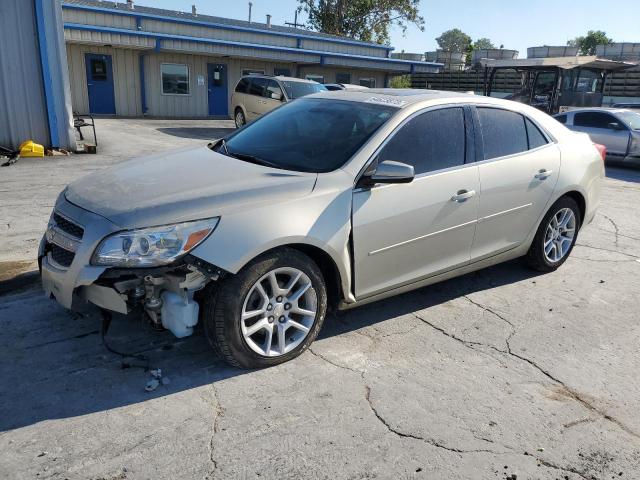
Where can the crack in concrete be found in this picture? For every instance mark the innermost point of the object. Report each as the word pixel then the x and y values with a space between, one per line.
pixel 218 411
pixel 615 226
pixel 571 393
pixel 606 250
pixel 344 367
pixel 553 466
pixel 429 441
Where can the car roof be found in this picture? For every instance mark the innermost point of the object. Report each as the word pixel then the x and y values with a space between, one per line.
pixel 594 109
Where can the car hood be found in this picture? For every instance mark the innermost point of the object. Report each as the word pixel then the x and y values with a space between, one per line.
pixel 181 186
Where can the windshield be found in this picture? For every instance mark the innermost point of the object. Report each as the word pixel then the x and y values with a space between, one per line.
pixel 308 135
pixel 301 89
pixel 631 118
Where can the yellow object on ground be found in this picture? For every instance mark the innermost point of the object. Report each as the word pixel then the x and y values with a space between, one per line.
pixel 31 149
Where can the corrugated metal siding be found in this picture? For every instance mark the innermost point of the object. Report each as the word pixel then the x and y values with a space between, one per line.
pixel 343 48
pixel 191 47
pixel 369 64
pixel 207 32
pixel 330 73
pixel 103 38
pixel 126 78
pixel 97 18
pixel 23 111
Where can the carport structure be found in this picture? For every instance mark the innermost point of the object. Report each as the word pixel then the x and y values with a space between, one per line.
pixel 131 60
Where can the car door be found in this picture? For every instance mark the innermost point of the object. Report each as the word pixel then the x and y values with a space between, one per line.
pixel 603 128
pixel 518 170
pixel 255 97
pixel 405 232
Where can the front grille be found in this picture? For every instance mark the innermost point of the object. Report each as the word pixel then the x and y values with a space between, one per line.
pixel 68 227
pixel 61 256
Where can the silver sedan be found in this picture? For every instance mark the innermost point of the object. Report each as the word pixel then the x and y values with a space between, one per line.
pixel 332 201
pixel 615 128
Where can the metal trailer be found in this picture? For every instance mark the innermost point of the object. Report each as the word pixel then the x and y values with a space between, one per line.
pixel 556 84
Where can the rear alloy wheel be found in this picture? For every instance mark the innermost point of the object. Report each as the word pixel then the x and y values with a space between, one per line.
pixel 240 120
pixel 268 313
pixel 555 237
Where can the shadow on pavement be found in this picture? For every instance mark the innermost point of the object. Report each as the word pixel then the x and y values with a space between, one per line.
pixel 53 366
pixel 198 133
pixel 623 173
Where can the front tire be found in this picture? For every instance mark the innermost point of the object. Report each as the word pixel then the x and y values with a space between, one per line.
pixel 269 313
pixel 556 236
pixel 239 117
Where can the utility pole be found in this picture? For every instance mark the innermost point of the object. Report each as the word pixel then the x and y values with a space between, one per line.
pixel 295 21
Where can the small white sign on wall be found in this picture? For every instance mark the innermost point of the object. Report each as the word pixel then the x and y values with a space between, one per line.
pixel 201 80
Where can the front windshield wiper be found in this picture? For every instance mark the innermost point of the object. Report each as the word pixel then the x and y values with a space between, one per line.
pixel 252 159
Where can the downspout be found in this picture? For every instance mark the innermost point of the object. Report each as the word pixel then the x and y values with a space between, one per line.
pixel 46 74
pixel 143 91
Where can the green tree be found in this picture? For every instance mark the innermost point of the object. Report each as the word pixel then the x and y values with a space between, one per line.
pixel 367 20
pixel 587 44
pixel 479 44
pixel 401 81
pixel 454 40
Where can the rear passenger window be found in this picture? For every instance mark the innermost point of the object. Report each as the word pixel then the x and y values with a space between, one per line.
pixel 536 138
pixel 561 118
pixel 243 86
pixel 256 86
pixel 503 132
pixel 431 141
pixel 593 119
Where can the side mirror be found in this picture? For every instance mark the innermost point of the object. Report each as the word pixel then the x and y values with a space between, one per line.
pixel 276 96
pixel 389 171
pixel 616 126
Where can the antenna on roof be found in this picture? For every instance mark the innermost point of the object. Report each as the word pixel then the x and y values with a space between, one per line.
pixel 250 6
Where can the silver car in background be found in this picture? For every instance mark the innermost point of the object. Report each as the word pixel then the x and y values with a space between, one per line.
pixel 332 201
pixel 615 128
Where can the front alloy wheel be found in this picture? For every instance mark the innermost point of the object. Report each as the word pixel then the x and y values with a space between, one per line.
pixel 278 312
pixel 269 312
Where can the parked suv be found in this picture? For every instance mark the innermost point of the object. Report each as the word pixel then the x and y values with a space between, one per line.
pixel 256 95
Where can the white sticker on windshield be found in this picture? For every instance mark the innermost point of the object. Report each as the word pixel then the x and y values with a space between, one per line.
pixel 387 101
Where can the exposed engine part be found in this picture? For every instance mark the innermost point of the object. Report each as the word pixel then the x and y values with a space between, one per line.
pixel 179 315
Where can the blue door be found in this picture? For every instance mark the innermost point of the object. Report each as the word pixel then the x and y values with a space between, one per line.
pixel 218 90
pixel 100 84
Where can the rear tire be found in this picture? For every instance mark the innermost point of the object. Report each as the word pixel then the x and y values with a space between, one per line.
pixel 556 236
pixel 241 121
pixel 248 302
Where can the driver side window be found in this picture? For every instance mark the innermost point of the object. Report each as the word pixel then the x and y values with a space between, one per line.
pixel 431 141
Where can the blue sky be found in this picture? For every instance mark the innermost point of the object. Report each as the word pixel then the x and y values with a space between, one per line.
pixel 517 24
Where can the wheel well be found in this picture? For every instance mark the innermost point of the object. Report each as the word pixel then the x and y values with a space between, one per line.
pixel 328 268
pixel 582 204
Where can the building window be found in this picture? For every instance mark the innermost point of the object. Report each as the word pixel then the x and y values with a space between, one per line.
pixel 343 78
pixel 175 79
pixel 315 78
pixel 368 82
pixel 251 71
pixel 284 72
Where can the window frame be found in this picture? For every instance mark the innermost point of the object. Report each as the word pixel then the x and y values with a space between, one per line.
pixel 249 72
pixel 313 77
pixel 371 80
pixel 479 139
pixel 162 92
pixel 470 144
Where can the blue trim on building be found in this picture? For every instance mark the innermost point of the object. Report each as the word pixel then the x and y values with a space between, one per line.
pixel 47 79
pixel 143 90
pixel 160 36
pixel 222 26
pixel 158 46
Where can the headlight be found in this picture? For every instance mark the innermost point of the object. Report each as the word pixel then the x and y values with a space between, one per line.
pixel 152 247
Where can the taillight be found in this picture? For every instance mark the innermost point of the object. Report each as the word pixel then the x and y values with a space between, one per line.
pixel 602 149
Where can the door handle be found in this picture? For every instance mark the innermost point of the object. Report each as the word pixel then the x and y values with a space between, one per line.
pixel 463 195
pixel 543 174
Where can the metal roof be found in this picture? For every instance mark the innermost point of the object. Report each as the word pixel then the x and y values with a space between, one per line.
pixel 566 63
pixel 122 9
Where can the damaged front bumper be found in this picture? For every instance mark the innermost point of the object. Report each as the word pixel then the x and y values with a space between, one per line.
pixel 164 294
